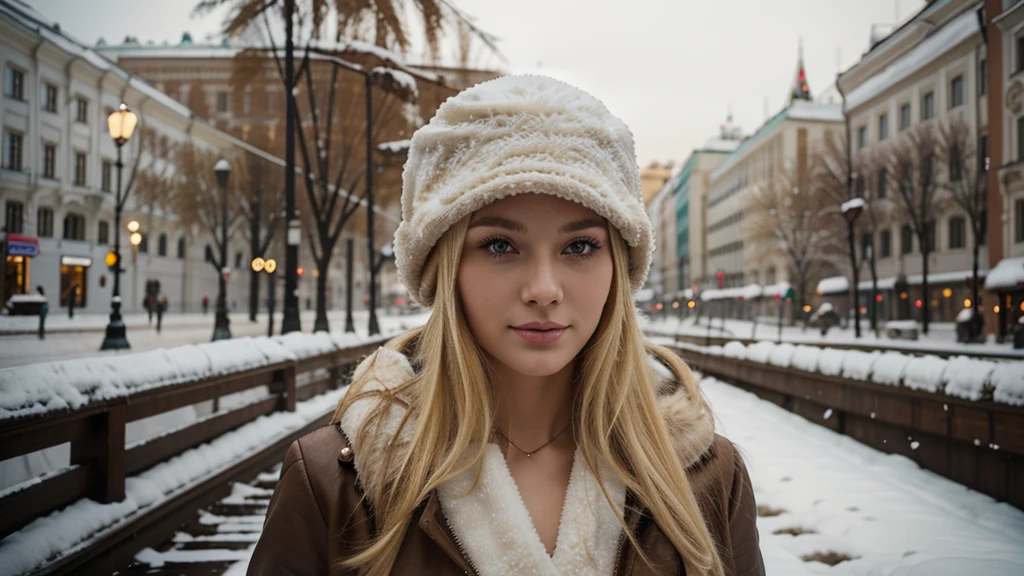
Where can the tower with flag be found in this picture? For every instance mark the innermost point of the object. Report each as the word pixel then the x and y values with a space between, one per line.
pixel 801 91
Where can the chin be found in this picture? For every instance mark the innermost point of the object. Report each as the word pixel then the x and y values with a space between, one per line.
pixel 537 361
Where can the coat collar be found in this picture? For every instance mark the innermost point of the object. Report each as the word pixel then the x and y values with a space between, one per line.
pixel 689 423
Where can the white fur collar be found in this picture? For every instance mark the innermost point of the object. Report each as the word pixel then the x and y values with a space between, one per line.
pixel 492 523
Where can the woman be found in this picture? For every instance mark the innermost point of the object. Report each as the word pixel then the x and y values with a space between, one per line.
pixel 527 428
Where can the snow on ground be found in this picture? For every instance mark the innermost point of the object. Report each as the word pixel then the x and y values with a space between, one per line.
pixel 892 517
pixel 942 336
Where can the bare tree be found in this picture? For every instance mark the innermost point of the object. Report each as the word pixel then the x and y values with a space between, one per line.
pixel 966 184
pixel 198 199
pixel 912 168
pixel 260 185
pixel 781 217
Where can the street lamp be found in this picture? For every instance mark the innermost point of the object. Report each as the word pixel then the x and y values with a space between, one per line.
pixel 386 253
pixel 852 210
pixel 135 238
pixel 220 329
pixel 121 125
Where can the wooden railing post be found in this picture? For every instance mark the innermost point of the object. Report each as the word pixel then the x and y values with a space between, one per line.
pixel 284 387
pixel 102 450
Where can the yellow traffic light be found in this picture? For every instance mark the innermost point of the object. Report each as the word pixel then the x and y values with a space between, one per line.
pixel 111 259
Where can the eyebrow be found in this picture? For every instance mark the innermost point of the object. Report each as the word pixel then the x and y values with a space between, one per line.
pixel 519 228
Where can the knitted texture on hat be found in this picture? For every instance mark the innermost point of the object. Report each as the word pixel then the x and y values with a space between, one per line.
pixel 516 135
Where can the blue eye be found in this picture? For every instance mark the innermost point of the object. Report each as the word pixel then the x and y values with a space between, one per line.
pixel 582 247
pixel 496 247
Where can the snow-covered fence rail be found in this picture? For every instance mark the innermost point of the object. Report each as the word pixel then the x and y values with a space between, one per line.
pixel 90 403
pixel 939 413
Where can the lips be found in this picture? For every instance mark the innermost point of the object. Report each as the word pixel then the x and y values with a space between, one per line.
pixel 540 332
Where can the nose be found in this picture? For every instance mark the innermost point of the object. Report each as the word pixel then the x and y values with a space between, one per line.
pixel 542 285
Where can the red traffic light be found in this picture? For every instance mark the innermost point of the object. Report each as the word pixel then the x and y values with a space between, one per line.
pixel 300 271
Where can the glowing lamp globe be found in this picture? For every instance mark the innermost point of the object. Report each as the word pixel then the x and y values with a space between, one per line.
pixel 121 124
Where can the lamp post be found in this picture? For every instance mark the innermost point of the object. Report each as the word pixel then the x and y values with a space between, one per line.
pixel 220 329
pixel 386 253
pixel 121 125
pixel 851 211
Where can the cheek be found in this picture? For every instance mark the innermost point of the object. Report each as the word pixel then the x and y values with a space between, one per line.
pixel 479 291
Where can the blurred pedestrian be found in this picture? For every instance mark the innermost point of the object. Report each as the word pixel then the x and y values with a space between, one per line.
pixel 149 303
pixel 44 309
pixel 161 307
pixel 72 297
pixel 206 304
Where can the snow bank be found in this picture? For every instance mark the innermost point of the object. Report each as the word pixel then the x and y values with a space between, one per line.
pixel 857 365
pixel 1008 383
pixel 69 384
pixel 925 373
pixel 889 367
pixel 760 351
pixel 830 363
pixel 968 378
pixel 735 350
pixel 782 355
pixel 805 358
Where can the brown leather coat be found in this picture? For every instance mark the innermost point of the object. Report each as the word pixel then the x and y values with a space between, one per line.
pixel 317 517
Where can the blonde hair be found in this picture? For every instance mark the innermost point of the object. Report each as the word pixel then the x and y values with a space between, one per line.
pixel 615 417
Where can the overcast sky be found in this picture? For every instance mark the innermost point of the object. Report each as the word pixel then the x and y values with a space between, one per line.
pixel 670 68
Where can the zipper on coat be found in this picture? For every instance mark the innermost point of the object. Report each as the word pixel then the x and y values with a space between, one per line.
pixel 618 552
pixel 458 544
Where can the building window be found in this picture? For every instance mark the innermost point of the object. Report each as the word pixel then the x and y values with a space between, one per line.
pixel 956 92
pixel 1018 220
pixel 81 110
pixel 1020 53
pixel 49 97
pixel 74 226
pixel 928 106
pixel 238 260
pixel 906 239
pixel 222 101
pixel 1020 138
pixel 183 94
pixel 957 232
pixel 883 182
pixel 12 151
pixel 983 77
pixel 929 235
pixel 161 245
pixel 105 176
pixel 862 137
pixel 865 244
pixel 44 223
pixel 181 248
pixel 956 169
pixel 73 284
pixel 144 243
pixel 904 116
pixel 246 101
pixel 103 232
pixel 14 83
pixel 208 254
pixel 885 244
pixel 79 168
pixel 14 217
pixel 49 161
pixel 883 127
pixel 271 101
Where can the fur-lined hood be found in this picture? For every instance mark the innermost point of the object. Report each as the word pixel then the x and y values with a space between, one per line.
pixel 689 421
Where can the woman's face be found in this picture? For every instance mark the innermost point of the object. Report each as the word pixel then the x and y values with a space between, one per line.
pixel 535 273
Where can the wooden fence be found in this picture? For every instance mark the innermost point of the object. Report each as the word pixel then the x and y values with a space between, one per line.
pixel 100 461
pixel 978 444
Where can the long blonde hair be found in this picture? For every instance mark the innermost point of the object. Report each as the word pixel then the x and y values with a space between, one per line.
pixel 615 418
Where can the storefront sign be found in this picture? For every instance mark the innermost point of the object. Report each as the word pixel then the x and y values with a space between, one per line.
pixel 22 245
pixel 75 261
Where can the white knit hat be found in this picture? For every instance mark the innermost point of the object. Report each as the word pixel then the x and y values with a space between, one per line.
pixel 516 135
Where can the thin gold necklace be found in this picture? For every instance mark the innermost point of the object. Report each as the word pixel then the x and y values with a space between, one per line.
pixel 531 452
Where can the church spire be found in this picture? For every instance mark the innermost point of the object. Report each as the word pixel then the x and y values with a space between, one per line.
pixel 801 91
